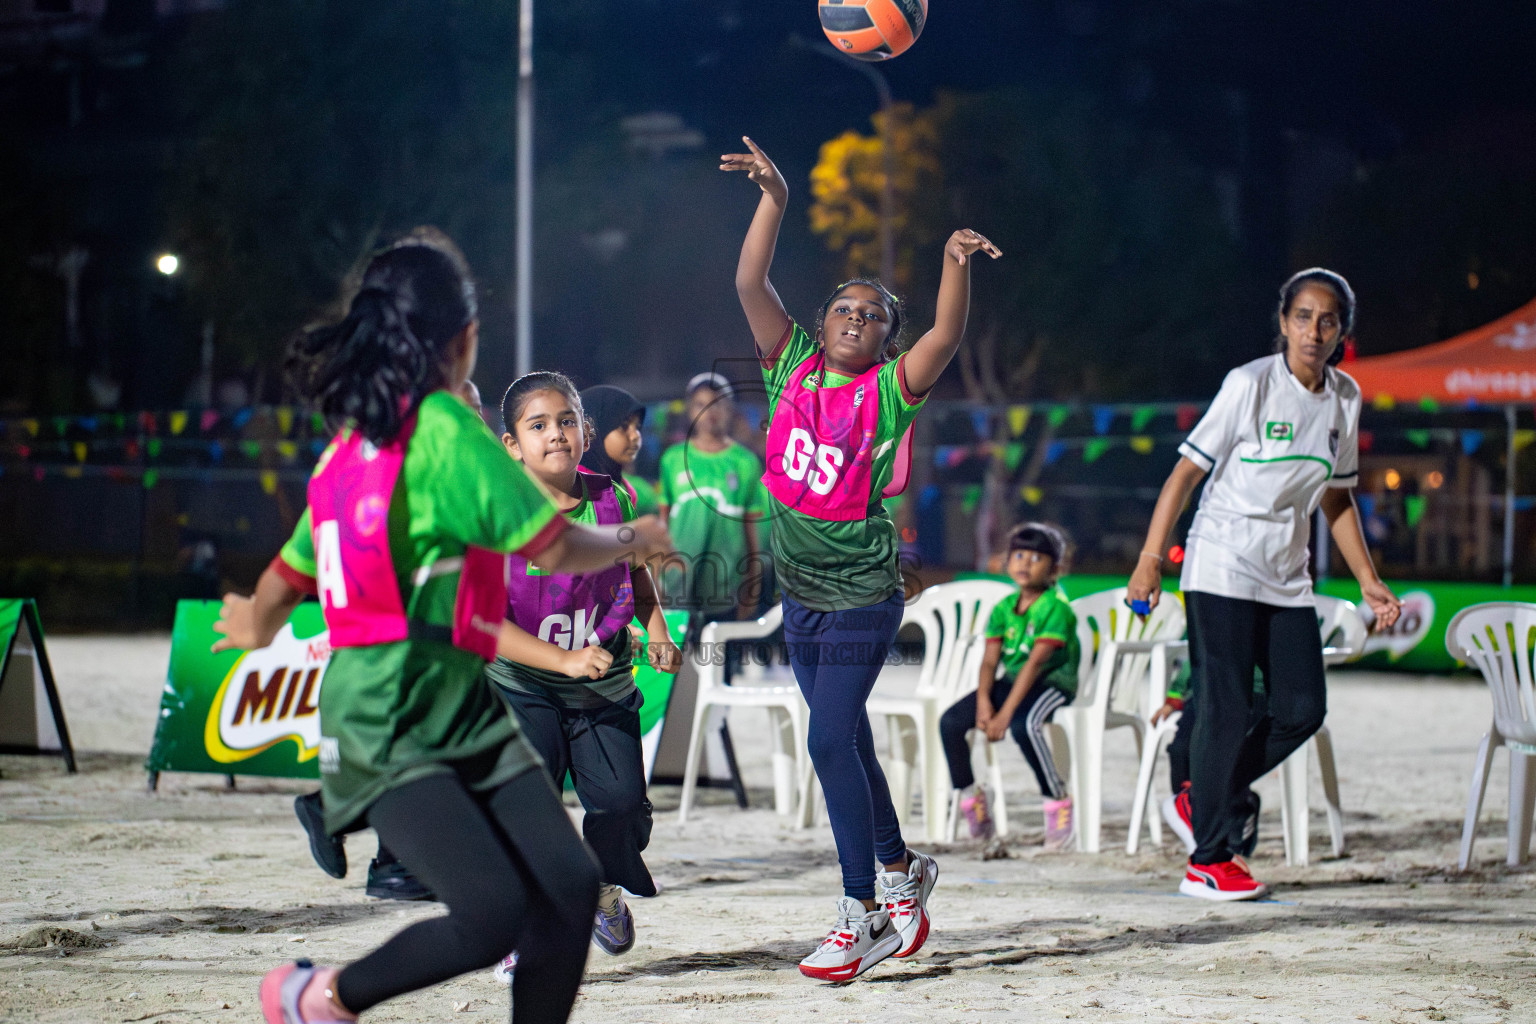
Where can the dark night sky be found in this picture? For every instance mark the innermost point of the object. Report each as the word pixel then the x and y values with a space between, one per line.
pixel 1295 96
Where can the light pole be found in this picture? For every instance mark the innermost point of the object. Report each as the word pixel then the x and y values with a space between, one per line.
pixel 888 171
pixel 524 232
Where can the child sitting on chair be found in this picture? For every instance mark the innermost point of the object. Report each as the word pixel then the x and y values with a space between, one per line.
pixel 1029 670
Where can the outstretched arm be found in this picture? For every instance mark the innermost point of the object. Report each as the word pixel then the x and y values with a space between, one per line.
pixel 765 313
pixel 579 548
pixel 926 360
pixel 249 623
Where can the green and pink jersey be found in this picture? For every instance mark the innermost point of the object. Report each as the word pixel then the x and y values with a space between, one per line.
pixel 835 448
pixel 386 542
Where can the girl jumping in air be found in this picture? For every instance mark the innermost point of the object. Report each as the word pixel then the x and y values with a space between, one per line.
pixel 840 399
pixel 411 510
pixel 565 663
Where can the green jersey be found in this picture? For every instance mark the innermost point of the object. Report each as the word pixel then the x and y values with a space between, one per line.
pixel 709 496
pixel 617 683
pixel 646 498
pixel 392 713
pixel 1048 617
pixel 831 565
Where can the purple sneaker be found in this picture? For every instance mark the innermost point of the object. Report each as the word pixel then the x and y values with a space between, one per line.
pixel 613 930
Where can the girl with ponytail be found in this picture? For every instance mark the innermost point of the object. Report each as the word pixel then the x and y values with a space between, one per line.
pixel 413 509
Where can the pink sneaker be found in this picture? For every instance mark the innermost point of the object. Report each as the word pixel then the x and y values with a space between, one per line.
pixel 280 992
pixel 973 807
pixel 1058 823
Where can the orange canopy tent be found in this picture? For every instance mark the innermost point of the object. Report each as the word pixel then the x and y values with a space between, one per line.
pixel 1492 365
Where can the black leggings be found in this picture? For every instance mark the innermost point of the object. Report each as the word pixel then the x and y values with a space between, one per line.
pixel 600 747
pixel 513 874
pixel 1027 726
pixel 1229 750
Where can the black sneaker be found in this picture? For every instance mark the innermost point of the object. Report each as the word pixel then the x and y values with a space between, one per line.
pixel 392 881
pixel 329 852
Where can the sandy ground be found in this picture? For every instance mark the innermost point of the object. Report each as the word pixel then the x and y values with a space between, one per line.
pixel 192 893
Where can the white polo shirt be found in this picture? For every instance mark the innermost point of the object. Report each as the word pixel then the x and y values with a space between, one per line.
pixel 1271 447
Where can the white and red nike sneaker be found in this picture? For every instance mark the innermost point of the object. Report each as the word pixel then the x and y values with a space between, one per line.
pixel 859 940
pixel 905 898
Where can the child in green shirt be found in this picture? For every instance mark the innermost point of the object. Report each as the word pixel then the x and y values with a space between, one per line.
pixel 1030 670
pixel 712 498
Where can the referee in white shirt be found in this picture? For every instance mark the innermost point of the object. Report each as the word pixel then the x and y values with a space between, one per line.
pixel 1280 439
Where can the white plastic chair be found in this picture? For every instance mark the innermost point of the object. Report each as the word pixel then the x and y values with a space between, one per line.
pixel 1499 640
pixel 786 709
pixel 1343 635
pixel 970 668
pixel 1117 651
pixel 948 614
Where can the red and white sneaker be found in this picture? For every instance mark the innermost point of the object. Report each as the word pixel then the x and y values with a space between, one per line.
pixel 1176 814
pixel 905 898
pixel 859 940
pixel 1226 881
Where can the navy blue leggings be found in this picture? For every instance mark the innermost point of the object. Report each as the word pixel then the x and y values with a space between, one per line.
pixel 837 656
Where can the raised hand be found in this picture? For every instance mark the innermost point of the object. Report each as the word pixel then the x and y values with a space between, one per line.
pixel 759 168
pixel 964 242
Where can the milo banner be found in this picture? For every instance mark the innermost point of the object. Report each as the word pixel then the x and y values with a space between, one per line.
pixel 258 712
pixel 1416 643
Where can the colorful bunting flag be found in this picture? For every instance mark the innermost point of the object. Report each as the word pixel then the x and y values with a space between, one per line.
pixel 209 420
pixel 252 449
pixel 1141 445
pixel 1523 439
pixel 1018 419
pixel 1383 402
pixel 981 422
pixel 1054 451
pixel 1471 441
pixel 178 422
pixel 1013 454
pixel 1141 417
pixel 288 450
pixel 1058 415
pixel 31 426
pixel 1417 438
pixel 1413 510
pixel 285 419
pixel 242 417
pixel 269 481
pixel 971 498
pixel 1428 404
pixel 80 451
pixel 153 444
pixel 1103 418
pixel 1186 416
pixel 1031 494
pixel 151 477
pixel 1094 449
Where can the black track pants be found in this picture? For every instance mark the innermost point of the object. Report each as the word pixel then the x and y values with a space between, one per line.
pixel 1229 749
